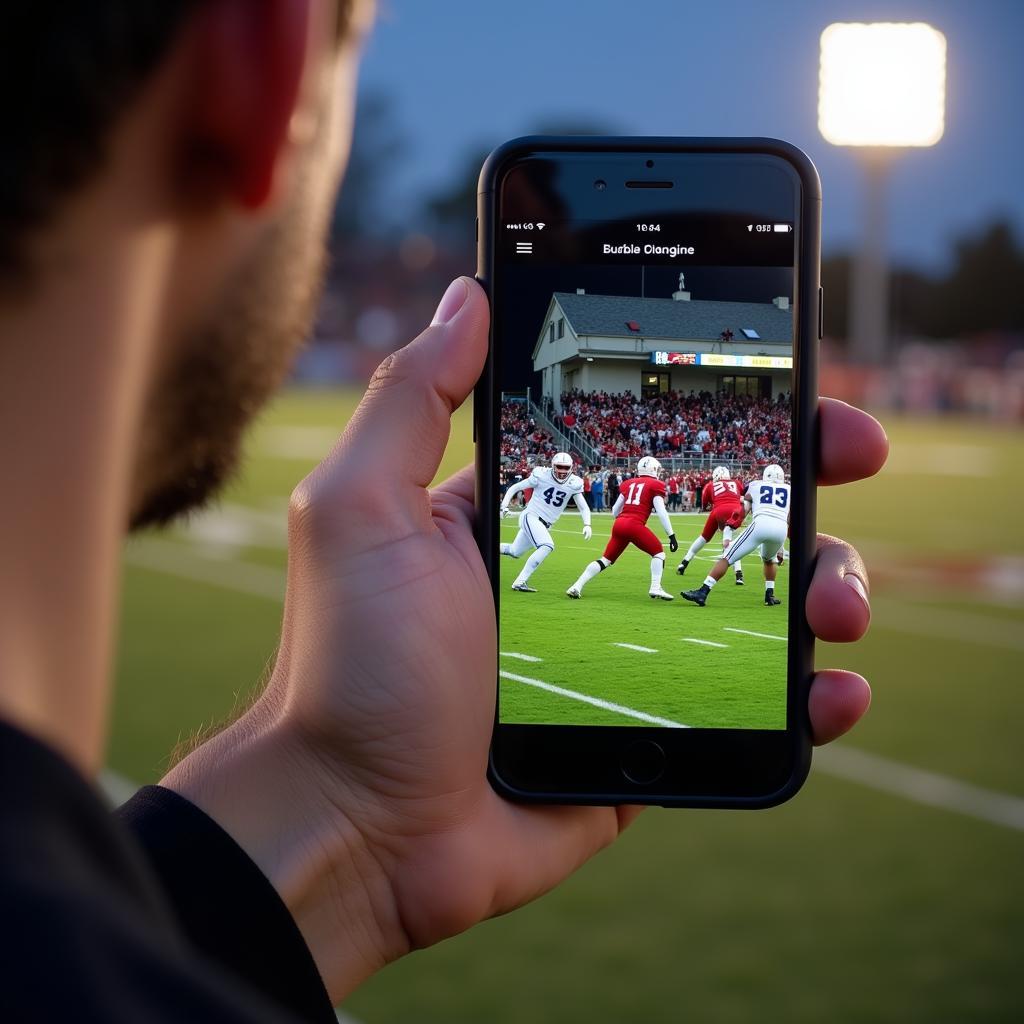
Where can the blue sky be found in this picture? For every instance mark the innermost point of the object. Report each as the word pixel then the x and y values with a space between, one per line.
pixel 465 75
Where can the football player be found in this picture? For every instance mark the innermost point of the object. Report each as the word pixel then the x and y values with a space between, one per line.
pixel 769 500
pixel 638 497
pixel 723 494
pixel 552 490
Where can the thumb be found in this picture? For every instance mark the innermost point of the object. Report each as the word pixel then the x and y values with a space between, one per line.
pixel 394 442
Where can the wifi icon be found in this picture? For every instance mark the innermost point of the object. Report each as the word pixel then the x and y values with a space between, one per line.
pixel 540 226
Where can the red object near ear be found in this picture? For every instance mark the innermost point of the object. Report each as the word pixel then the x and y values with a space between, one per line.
pixel 248 75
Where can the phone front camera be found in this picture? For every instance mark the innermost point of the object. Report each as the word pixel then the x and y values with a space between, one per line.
pixel 600 184
pixel 650 163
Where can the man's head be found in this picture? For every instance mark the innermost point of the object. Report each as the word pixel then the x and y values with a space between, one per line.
pixel 561 466
pixel 252 102
pixel 648 466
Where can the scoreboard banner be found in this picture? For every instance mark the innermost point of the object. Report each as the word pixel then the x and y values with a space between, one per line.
pixel 719 359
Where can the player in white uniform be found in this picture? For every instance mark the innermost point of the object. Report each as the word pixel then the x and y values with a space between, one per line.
pixel 552 490
pixel 768 499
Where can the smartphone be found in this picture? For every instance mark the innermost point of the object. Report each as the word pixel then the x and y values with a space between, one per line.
pixel 645 430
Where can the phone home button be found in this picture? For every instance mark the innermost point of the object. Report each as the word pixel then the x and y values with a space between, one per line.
pixel 643 762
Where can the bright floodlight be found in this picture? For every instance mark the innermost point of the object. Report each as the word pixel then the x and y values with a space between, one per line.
pixel 882 84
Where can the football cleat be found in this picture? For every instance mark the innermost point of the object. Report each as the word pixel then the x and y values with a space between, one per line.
pixel 739 577
pixel 523 588
pixel 573 593
pixel 770 598
pixel 658 593
pixel 698 596
pixel 681 568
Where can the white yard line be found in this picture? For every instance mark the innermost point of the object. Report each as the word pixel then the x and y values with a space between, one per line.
pixel 595 701
pixel 179 560
pixel 706 643
pixel 748 632
pixel 636 647
pixel 869 770
pixel 920 786
pixel 521 657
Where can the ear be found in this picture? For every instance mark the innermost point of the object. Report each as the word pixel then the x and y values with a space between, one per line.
pixel 251 58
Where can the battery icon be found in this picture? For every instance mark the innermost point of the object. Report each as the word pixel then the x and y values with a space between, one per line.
pixel 782 227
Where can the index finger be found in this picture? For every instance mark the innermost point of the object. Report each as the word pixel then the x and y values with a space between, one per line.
pixel 851 444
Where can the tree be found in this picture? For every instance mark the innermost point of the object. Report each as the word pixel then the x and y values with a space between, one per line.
pixel 984 290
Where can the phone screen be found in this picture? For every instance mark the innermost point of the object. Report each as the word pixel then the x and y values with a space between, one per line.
pixel 645 360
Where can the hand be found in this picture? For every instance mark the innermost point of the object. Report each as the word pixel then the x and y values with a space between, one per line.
pixel 505 512
pixel 673 544
pixel 357 780
pixel 587 533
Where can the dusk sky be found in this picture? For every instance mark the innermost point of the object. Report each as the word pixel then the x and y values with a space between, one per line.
pixel 468 75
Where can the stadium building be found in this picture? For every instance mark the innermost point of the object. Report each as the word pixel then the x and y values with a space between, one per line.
pixel 647 346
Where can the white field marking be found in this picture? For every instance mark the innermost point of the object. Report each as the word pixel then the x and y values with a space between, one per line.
pixel 596 701
pixel 935 623
pixel 295 442
pixel 230 526
pixel 706 643
pixel 920 786
pixel 521 657
pixel 636 647
pixel 748 632
pixel 868 770
pixel 178 560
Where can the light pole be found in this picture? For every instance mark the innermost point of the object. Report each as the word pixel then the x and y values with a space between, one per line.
pixel 882 87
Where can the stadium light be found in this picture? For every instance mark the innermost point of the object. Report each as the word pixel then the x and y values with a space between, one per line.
pixel 882 87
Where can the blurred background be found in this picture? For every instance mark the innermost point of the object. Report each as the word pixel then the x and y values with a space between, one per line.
pixel 892 888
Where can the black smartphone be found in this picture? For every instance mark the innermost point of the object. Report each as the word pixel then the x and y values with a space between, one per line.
pixel 645 431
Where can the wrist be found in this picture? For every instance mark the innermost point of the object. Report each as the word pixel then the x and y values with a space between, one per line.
pixel 256 785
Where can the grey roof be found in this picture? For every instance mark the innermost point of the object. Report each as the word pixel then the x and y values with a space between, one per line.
pixel 698 319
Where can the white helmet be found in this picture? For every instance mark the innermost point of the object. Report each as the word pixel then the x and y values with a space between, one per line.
pixel 721 473
pixel 561 467
pixel 773 474
pixel 648 466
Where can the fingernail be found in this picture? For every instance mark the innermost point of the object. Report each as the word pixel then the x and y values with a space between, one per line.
pixel 452 301
pixel 855 583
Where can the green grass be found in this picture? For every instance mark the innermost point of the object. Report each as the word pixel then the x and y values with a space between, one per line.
pixel 741 684
pixel 847 904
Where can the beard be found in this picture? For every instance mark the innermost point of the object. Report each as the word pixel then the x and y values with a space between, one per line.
pixel 230 365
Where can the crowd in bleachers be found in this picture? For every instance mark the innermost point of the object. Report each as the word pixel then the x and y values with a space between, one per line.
pixel 733 428
pixel 523 442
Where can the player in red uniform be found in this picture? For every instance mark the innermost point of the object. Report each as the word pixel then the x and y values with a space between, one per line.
pixel 638 497
pixel 725 496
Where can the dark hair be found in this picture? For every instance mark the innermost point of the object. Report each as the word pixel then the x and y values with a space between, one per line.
pixel 68 69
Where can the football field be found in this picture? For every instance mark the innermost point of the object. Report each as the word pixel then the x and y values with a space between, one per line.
pixel 617 657
pixel 889 890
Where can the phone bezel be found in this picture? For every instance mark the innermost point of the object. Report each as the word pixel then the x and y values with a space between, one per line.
pixel 706 767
